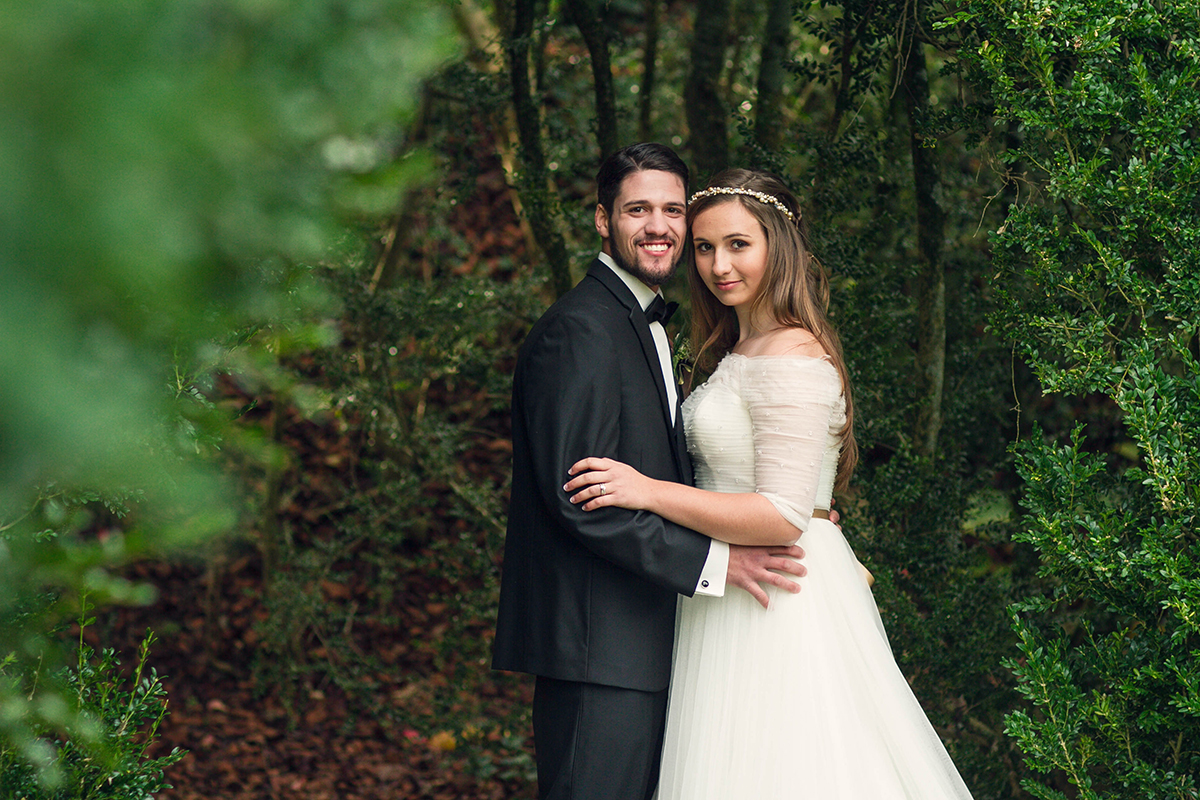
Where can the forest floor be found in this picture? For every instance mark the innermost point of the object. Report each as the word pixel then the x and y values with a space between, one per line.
pixel 244 743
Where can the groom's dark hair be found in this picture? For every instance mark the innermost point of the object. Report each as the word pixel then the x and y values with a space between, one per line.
pixel 636 158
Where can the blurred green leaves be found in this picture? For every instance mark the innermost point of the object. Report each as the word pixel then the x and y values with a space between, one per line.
pixel 168 171
pixel 156 155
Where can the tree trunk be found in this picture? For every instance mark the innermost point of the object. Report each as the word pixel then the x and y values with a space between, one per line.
pixel 846 69
pixel 586 16
pixel 768 119
pixel 931 283
pixel 649 64
pixel 706 112
pixel 540 203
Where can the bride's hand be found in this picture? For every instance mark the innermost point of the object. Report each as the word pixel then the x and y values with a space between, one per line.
pixel 600 482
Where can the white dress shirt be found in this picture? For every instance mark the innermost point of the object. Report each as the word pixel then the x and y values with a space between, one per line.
pixel 712 577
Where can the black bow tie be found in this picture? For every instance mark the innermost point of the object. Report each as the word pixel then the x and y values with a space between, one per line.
pixel 660 310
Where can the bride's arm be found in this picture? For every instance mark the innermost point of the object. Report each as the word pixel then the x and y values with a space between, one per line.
pixel 742 518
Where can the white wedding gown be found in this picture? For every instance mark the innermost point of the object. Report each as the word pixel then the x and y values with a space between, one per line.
pixel 804 699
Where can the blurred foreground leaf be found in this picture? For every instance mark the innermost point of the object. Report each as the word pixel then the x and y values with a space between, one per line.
pixel 169 168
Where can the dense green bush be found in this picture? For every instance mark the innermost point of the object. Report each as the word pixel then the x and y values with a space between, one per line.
pixel 111 720
pixel 1099 284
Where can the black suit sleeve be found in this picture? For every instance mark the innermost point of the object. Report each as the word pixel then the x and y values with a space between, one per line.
pixel 585 394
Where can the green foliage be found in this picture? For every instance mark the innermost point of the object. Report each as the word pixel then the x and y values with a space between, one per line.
pixel 1099 289
pixel 186 148
pixel 110 720
pixel 1107 655
pixel 168 168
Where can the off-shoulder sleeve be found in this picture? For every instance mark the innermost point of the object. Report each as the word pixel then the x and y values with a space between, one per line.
pixel 793 404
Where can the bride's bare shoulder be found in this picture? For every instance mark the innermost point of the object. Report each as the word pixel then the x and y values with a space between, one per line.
pixel 790 342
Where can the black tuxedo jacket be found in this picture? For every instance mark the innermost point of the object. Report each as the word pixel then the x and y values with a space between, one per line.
pixel 591 596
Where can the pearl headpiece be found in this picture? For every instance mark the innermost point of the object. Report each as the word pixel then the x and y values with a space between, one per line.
pixel 761 197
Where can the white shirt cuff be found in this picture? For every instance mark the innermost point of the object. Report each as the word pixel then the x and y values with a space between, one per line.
pixel 712 577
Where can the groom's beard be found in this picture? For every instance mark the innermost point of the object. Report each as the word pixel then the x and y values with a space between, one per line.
pixel 628 261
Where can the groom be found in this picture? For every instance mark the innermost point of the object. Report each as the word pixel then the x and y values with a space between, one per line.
pixel 587 602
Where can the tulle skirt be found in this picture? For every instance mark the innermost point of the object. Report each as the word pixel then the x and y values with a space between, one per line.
pixel 801 700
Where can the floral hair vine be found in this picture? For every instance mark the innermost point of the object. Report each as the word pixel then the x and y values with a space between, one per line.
pixel 761 197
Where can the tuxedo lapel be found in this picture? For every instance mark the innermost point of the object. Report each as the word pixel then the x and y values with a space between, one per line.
pixel 637 319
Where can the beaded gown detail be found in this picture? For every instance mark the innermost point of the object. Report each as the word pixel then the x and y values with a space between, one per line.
pixel 804 699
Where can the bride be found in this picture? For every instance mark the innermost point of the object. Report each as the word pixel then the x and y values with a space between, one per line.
pixel 802 699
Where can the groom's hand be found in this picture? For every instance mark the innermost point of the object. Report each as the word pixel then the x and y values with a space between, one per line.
pixel 753 567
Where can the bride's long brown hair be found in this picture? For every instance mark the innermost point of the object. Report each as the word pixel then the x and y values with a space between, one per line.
pixel 794 289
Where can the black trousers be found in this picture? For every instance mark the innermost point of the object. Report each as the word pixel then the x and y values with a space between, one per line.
pixel 597 742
